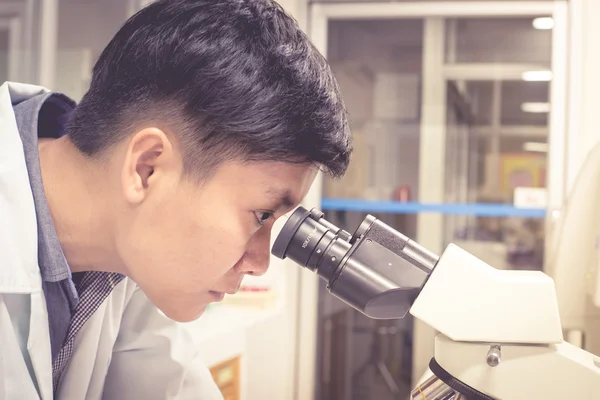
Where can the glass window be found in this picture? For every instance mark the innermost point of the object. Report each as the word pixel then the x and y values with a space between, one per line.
pixel 480 95
pixel 524 103
pixel 378 67
pixel 507 131
pixel 497 40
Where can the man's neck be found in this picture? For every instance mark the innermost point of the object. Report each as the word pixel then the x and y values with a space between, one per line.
pixel 78 206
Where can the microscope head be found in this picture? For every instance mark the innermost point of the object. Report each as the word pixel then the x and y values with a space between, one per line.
pixel 377 270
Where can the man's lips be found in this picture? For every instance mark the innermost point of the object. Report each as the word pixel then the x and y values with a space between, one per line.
pixel 221 293
pixel 233 289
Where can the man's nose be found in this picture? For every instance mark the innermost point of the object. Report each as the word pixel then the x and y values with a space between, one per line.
pixel 256 259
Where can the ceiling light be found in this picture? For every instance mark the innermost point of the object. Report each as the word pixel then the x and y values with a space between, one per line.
pixel 537 76
pixel 545 23
pixel 535 107
pixel 536 147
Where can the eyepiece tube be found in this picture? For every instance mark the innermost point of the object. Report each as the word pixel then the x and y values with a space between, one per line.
pixel 378 271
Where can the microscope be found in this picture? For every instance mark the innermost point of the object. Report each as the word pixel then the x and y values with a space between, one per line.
pixel 499 331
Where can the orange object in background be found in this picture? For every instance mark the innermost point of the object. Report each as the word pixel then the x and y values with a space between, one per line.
pixel 402 194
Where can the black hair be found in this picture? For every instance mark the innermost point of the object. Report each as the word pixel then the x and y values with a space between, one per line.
pixel 230 78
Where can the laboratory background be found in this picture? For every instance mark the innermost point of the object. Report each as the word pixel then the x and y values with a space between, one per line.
pixel 472 121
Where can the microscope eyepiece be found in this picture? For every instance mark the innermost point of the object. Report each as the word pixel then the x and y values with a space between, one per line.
pixel 313 242
pixel 377 270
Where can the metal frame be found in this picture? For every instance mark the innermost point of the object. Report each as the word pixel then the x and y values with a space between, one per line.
pixel 430 227
pixel 48 42
pixel 576 71
pixel 486 72
pixel 446 9
pixel 432 165
pixel 559 100
pixel 513 130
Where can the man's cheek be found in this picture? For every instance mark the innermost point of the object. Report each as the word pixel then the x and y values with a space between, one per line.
pixel 220 266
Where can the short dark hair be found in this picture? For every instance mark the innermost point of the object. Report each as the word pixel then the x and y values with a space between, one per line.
pixel 231 78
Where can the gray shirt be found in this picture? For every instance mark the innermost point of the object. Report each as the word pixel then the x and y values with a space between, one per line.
pixel 45 116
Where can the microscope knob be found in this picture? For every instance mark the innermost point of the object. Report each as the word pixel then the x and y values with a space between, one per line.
pixel 493 356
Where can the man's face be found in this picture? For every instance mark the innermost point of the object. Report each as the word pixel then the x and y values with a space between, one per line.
pixel 186 245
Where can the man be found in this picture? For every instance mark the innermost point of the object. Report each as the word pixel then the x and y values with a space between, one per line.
pixel 205 121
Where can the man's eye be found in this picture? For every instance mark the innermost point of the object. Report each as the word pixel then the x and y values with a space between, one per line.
pixel 263 216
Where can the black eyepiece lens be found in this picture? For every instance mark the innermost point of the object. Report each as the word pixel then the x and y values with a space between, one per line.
pixel 306 238
pixel 288 231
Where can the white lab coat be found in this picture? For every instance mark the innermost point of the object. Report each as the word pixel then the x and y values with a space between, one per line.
pixel 127 350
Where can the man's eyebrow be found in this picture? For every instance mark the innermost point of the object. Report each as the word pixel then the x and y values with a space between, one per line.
pixel 283 197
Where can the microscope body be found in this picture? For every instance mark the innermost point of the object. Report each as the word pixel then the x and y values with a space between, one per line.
pixel 500 335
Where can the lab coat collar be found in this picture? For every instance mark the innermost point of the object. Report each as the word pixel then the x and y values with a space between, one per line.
pixel 19 270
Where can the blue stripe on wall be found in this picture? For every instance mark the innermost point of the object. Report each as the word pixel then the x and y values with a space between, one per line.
pixel 477 209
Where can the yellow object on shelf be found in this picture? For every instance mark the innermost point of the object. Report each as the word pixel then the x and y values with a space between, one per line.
pixel 253 298
pixel 522 170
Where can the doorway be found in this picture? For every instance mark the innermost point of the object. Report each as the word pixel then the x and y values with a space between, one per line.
pixel 453 106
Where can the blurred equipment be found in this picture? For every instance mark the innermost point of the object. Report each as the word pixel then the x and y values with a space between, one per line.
pixel 496 326
pixel 573 257
pixel 376 368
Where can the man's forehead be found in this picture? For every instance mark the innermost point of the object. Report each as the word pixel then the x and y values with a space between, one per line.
pixel 283 196
pixel 284 184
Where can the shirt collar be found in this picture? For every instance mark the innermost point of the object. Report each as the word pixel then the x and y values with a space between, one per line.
pixel 44 116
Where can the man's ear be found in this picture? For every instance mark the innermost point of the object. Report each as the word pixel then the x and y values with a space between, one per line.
pixel 148 153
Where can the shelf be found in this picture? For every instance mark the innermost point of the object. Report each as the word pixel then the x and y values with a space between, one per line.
pixel 393 207
pixel 220 334
pixel 224 319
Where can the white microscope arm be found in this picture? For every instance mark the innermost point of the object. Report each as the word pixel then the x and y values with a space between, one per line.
pixel 500 334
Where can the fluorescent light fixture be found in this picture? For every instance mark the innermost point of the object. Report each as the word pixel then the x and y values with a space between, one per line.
pixel 536 147
pixel 538 108
pixel 537 76
pixel 545 23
